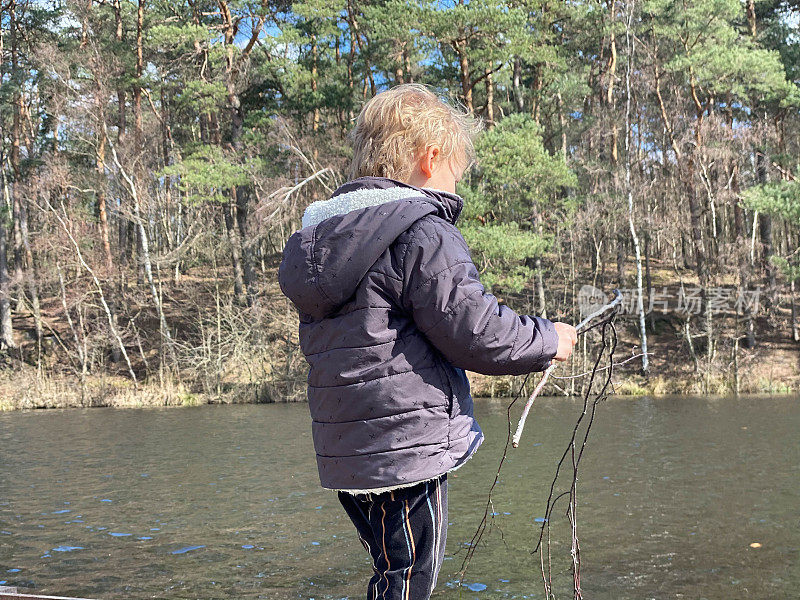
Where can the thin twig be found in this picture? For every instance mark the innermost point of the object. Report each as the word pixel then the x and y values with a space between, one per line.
pixel 476 538
pixel 585 373
pixel 488 510
pixel 601 395
pixel 582 327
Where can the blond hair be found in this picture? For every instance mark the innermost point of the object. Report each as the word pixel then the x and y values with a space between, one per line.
pixel 397 125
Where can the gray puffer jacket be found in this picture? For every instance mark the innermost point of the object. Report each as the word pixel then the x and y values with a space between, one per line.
pixel 391 313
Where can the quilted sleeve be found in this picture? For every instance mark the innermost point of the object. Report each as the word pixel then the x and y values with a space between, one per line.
pixel 443 293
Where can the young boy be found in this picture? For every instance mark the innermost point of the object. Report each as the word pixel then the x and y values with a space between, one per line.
pixel 391 313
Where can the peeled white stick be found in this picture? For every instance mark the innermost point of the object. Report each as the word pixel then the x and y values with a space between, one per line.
pixel 521 425
pixel 528 404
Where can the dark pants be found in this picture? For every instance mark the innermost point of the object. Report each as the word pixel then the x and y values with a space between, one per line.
pixel 404 532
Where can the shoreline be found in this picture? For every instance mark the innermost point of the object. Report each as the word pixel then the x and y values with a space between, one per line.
pixel 21 392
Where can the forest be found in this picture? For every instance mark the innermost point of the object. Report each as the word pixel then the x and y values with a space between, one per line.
pixel 157 155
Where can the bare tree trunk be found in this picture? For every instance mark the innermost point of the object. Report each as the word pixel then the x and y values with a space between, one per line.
pixel 101 195
pixel 399 77
pixel 466 83
pixel 242 210
pixel 562 122
pixel 765 233
pixel 229 212
pixel 611 74
pixel 133 232
pixel 144 244
pixel 489 99
pixel 629 187
pixel 137 88
pixel 765 221
pixel 367 66
pixel 536 96
pixel 517 74
pixel 31 274
pixel 407 64
pixel 611 70
pixel 22 248
pixel 238 207
pixel 740 235
pixel 314 76
pixel 647 274
pixel 540 288
pixel 118 34
pixel 80 348
pixel 620 259
pixel 688 335
pixel 751 17
pixel 6 326
pixel 795 331
pixel 696 226
pixel 16 233
pixel 351 58
pixel 15 156
pixel 99 287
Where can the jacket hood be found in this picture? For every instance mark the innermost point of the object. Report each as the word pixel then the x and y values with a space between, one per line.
pixel 343 236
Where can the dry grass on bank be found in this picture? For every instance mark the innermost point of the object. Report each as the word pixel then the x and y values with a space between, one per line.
pixel 227 353
pixel 772 366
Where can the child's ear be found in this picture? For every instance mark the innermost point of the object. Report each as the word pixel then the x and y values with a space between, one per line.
pixel 428 160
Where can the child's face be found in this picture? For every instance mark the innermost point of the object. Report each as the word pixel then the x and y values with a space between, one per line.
pixel 434 172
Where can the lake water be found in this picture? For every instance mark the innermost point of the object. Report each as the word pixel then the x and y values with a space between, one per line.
pixel 224 502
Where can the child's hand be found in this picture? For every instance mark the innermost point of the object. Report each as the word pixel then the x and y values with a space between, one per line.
pixel 567 338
